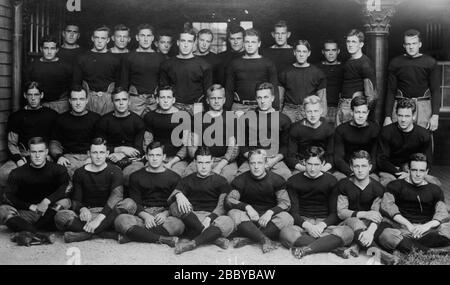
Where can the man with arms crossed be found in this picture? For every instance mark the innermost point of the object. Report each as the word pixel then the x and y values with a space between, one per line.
pixel 150 188
pixel 97 198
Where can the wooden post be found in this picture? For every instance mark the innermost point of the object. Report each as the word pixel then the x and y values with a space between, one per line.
pixel 17 53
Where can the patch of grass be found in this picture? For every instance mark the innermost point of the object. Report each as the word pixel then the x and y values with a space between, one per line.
pixel 417 257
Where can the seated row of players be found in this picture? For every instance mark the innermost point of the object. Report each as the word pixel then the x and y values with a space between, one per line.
pixel 239 70
pixel 265 128
pixel 309 213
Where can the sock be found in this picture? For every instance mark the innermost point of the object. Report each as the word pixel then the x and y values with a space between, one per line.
pixel 107 222
pixel 76 225
pixel 193 224
pixel 47 221
pixel 325 244
pixel 18 224
pixel 160 230
pixel 136 233
pixel 271 231
pixel 434 239
pixel 248 229
pixel 406 245
pixel 208 235
pixel 304 240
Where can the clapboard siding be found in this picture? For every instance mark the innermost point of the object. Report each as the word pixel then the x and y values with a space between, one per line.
pixel 6 70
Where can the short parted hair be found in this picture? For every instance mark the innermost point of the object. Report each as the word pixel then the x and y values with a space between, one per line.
pixel 315 151
pixel 49 39
pixel 412 33
pixel 406 103
pixel 164 33
pixel 145 26
pixel 153 145
pixel 234 29
pixel 330 41
pixel 121 27
pixel 213 88
pixel 356 32
pixel 264 86
pixel 72 24
pixel 206 31
pixel 418 157
pixel 188 30
pixel 281 24
pixel 78 88
pixel 99 141
pixel 118 90
pixel 252 32
pixel 202 151
pixel 163 88
pixel 360 154
pixel 257 152
pixel 102 28
pixel 358 101
pixel 36 140
pixel 312 99
pixel 303 43
pixel 33 84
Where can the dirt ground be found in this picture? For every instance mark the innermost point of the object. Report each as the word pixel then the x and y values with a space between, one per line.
pixel 99 251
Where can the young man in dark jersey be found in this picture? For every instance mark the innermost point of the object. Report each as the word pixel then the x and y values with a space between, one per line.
pixel 54 75
pixel 204 40
pixel 235 49
pixel 334 72
pixel 150 189
pixel 124 132
pixel 358 205
pixel 140 72
pixel 198 200
pixel 97 71
pixel 418 216
pixel 258 204
pixel 357 134
pixel 73 132
pixel 398 141
pixel 311 131
pixel 359 77
pixel 97 198
pixel 70 49
pixel 300 80
pixel 34 193
pixel 313 198
pixel 281 53
pixel 224 149
pixel 159 127
pixel 414 75
pixel 33 120
pixel 244 73
pixel 268 129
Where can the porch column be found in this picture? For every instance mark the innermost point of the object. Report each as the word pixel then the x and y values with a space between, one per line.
pixel 378 15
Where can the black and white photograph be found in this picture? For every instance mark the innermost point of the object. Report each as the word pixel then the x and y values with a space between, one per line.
pixel 224 133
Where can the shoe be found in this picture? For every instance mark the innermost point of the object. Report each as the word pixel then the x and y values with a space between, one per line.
pixel 184 246
pixel 76 236
pixel 170 241
pixel 123 239
pixel 221 242
pixel 268 245
pixel 241 242
pixel 46 238
pixel 342 252
pixel 300 252
pixel 385 257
